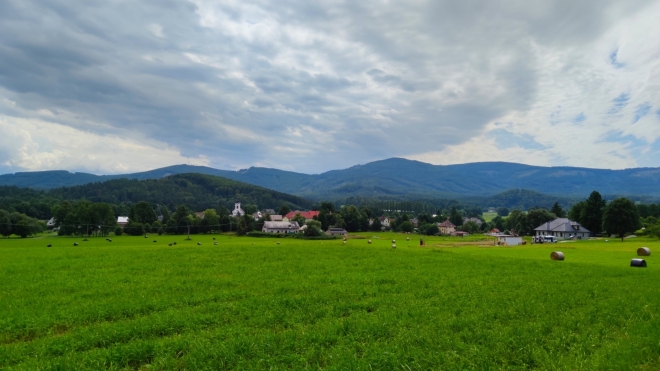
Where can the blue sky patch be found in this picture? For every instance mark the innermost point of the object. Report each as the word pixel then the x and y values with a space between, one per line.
pixel 580 118
pixel 620 102
pixel 613 60
pixel 642 111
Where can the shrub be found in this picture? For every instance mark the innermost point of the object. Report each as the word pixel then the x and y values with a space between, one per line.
pixel 119 231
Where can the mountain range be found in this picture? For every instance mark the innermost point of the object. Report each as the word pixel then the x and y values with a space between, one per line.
pixel 396 178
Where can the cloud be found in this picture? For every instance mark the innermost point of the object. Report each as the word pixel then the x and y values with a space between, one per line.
pixel 324 85
pixel 28 144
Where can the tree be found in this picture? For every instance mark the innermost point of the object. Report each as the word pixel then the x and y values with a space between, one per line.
pixel 455 217
pixel 245 225
pixel 536 217
pixel 313 228
pixel 575 211
pixel 470 227
pixel 210 221
pixel 351 216
pixel 143 213
pixel 119 231
pixel 502 211
pixel 299 218
pixel 376 226
pixel 166 214
pixel 621 217
pixel 5 224
pixel 591 216
pixel 406 226
pixel 557 210
pixel 284 209
pixel 429 229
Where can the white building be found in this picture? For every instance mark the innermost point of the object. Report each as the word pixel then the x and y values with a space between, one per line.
pixel 508 239
pixel 280 227
pixel 562 229
pixel 237 210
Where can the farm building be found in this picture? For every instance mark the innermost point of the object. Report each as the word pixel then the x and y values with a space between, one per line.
pixel 562 229
pixel 508 239
pixel 459 233
pixel 447 227
pixel 336 232
pixel 122 221
pixel 280 227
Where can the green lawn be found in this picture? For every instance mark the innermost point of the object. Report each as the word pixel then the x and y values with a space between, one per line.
pixel 250 303
pixel 489 216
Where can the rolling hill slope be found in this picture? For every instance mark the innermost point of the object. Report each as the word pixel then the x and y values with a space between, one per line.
pixel 397 177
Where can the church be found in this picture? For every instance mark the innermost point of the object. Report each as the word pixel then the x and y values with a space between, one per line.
pixel 237 212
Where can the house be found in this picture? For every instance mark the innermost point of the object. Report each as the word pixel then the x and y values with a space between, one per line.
pixel 305 214
pixel 562 229
pixel 494 231
pixel 200 214
pixel 122 221
pixel 336 232
pixel 414 222
pixel 276 218
pixel 459 233
pixel 477 221
pixel 280 227
pixel 446 227
pixel 237 210
pixel 386 221
pixel 508 240
pixel 50 223
pixel 268 211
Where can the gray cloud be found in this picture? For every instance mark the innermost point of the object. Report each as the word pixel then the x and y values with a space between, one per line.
pixel 308 86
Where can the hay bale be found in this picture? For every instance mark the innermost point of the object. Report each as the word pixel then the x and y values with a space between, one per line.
pixel 344 242
pixel 394 246
pixel 278 243
pixel 169 244
pixel 109 240
pixel 643 251
pixel 75 244
pixel 49 245
pixel 408 239
pixel 214 238
pixel 393 241
pixel 557 255
pixel 199 243
pixel 639 263
pixel 215 243
pixel 369 242
pixel 173 243
pixel 145 236
pixel 155 241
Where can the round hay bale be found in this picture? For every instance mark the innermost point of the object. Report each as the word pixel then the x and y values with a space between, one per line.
pixel 75 244
pixel 369 242
pixel 394 246
pixel 49 245
pixel 408 239
pixel 214 238
pixel 393 241
pixel 344 242
pixel 85 239
pixel 155 241
pixel 557 255
pixel 109 240
pixel 215 243
pixel 278 243
pixel 145 236
pixel 169 244
pixel 173 243
pixel 199 243
pixel 639 263
pixel 643 251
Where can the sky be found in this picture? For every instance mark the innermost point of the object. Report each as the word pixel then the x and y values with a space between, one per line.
pixel 121 86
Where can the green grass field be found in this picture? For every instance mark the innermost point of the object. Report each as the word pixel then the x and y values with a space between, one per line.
pixel 250 303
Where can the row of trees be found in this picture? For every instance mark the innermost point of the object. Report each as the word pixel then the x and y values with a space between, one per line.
pixel 19 224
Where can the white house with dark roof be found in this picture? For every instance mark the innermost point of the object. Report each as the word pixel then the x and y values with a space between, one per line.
pixel 280 227
pixel 562 229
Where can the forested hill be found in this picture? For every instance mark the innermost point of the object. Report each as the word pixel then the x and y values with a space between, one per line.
pixel 401 179
pixel 196 191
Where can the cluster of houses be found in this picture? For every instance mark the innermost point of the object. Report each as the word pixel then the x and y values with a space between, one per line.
pixel 558 229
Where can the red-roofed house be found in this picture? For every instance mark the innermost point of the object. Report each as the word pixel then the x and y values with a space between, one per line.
pixel 305 214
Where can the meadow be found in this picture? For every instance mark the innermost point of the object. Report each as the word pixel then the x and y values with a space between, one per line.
pixel 261 303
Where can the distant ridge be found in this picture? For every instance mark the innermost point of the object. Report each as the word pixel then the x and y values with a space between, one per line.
pixel 395 177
